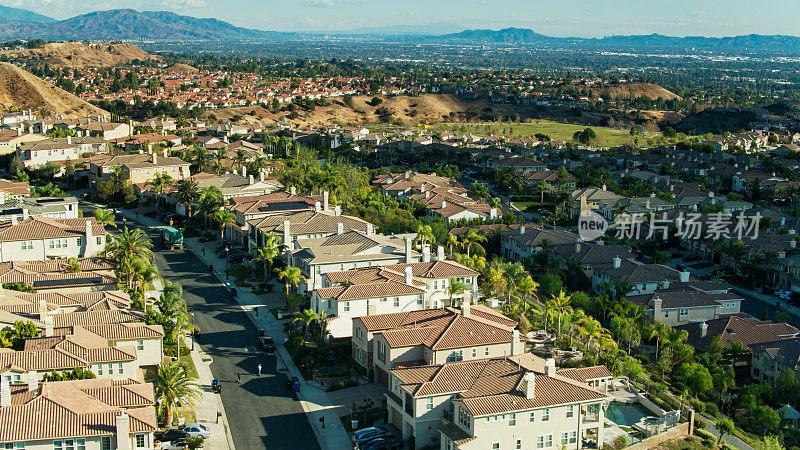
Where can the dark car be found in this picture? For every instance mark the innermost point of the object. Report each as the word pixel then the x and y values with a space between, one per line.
pixel 381 444
pixel 267 343
pixel 362 437
pixel 171 435
pixel 236 258
pixel 223 254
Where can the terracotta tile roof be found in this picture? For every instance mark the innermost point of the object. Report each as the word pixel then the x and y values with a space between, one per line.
pixel 275 202
pixel 456 433
pixel 15 188
pixel 738 329
pixel 784 351
pixel 47 228
pixel 71 409
pixel 682 297
pixel 371 290
pixel 307 222
pixel 584 374
pixel 435 269
pixel 533 236
pixel 492 386
pixel 93 318
pixel 380 322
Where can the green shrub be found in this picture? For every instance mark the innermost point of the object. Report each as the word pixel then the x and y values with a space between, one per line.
pixel 699 424
pixel 712 409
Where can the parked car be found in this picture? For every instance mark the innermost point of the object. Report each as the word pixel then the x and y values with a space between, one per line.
pixel 267 343
pixel 365 435
pixel 236 258
pixel 223 254
pixel 382 444
pixel 783 294
pixel 196 430
pixel 170 435
pixel 173 445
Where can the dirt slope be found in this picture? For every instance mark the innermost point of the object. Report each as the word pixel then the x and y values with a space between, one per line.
pixel 21 89
pixel 79 55
pixel 182 68
pixel 629 90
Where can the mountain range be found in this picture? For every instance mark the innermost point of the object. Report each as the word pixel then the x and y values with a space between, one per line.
pixel 129 24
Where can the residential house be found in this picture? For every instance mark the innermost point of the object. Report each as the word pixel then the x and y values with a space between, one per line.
pixel 254 207
pixel 771 359
pixel 38 153
pixel 21 208
pixel 10 139
pixel 10 190
pixel 105 130
pixel 302 225
pixel 51 275
pixel 688 302
pixel 140 168
pixel 40 238
pixel 527 240
pixel 590 198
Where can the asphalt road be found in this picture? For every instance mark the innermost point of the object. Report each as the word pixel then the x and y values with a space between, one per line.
pixel 261 412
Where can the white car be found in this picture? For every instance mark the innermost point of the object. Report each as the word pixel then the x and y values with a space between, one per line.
pixel 196 430
pixel 783 295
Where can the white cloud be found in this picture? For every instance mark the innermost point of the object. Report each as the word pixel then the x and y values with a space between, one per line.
pixel 321 3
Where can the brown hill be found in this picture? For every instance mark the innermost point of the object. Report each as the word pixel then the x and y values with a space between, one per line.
pixel 23 90
pixel 79 55
pixel 182 68
pixel 628 90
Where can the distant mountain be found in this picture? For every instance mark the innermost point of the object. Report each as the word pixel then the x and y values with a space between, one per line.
pixel 504 36
pixel 121 24
pixel 431 29
pixel 9 14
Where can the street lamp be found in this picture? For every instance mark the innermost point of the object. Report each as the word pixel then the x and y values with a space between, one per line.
pixel 194 334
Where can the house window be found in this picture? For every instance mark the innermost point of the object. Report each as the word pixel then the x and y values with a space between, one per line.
pixel 419 300
pixel 684 312
pixel 486 351
pixel 105 443
pixel 27 245
pixel 14 445
pixel 428 403
pixel 666 313
pixel 545 414
pixel 519 444
pixel 99 369
pixel 140 441
pixel 474 352
pixel 140 344
pixel 397 302
pixel 570 411
pixel 346 306
pixel 80 242
pixel 532 417
pixel 111 368
pixel 119 368
pixel 463 417
pixel 545 441
pixel 381 352
pixel 455 356
pixel 99 240
pixel 496 446
pixel 512 420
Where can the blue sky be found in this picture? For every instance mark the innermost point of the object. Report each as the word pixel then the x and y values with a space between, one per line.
pixel 584 18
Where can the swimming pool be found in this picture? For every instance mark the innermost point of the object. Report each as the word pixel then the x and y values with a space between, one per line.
pixel 626 414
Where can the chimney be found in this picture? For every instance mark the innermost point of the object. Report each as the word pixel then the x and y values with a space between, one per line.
pixel 287 235
pixel 42 309
pixel 530 384
pixel 317 206
pixel 422 187
pixel 48 326
pixel 337 210
pixel 792 231
pixel 517 346
pixel 427 194
pixel 260 176
pixel 244 171
pixel 293 190
pixel 665 284
pixel 370 230
pixel 604 186
pixel 703 329
pixel 155 158
pixel 69 140
pixel 617 262
pixel 466 307
pixel 25 214
pixel 325 196
pixel 440 253
pixel 792 244
pixel 408 249
pixel 684 277
pixel 409 275
pixel 783 221
pixel 89 250
pixel 657 302
pixel 647 205
pixel 426 253
pixel 33 380
pixel 123 432
pixel 550 367
pixel 444 204
pixel 340 228
pixel 5 394
pixel 493 213
pixel 522 230
pixel 14 220
pixel 251 180
pixel 710 194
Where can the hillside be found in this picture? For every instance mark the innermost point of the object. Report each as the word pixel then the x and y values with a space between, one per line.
pixel 506 36
pixel 79 55
pixel 9 14
pixel 182 68
pixel 21 89
pixel 628 90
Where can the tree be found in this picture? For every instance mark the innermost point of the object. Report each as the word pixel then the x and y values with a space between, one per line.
pixel 72 265
pixel 223 217
pixel 126 247
pixel 478 191
pixel 188 193
pixel 104 217
pixel 291 276
pixel 424 235
pixel 696 377
pixel 173 385
pixel 456 288
pixel 472 239
pixel 24 330
pixel 160 182
pixel 766 417
pixel 725 426
pixel 560 303
pixel 306 317
pixel 210 200
pixel 271 249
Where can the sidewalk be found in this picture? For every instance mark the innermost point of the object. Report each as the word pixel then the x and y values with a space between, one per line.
pixel 315 401
pixel 209 410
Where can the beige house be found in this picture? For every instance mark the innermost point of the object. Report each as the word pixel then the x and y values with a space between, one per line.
pixel 47 276
pixel 309 224
pixel 258 206
pixel 140 168
pixel 95 414
pixel 689 302
pixel 495 403
pixel 11 190
pixel 771 359
pixel 40 152
pixel 40 238
pixel 10 139
pixel 106 130
pixel 432 336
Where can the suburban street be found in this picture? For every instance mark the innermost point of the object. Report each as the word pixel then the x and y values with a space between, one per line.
pixel 261 412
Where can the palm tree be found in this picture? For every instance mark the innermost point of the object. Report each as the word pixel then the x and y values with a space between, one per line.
pixel 527 287
pixel 72 265
pixel 126 247
pixel 291 276
pixel 223 217
pixel 188 192
pixel 424 235
pixel 178 329
pixel 472 238
pixel 143 274
pixel 171 302
pixel 173 385
pixel 658 332
pixel 210 200
pixel 560 303
pixel 495 203
pixel 160 182
pixel 496 280
pixel 735 349
pixel 306 317
pixel 240 158
pixel 542 185
pixel 104 217
pixel 271 249
pixel 456 288
pixel 452 241
pixel 199 157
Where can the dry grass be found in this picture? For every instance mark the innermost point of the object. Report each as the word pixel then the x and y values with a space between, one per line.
pixel 79 55
pixel 629 90
pixel 21 89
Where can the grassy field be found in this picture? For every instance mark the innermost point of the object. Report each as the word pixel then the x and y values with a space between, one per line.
pixel 606 137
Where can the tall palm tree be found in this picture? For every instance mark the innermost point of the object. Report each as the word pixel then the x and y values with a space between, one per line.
pixel 472 239
pixel 188 193
pixel 291 276
pixel 659 331
pixel 160 183
pixel 143 274
pixel 424 235
pixel 271 249
pixel 171 302
pixel 126 247
pixel 452 241
pixel 527 287
pixel 173 385
pixel 223 217
pixel 210 200
pixel 240 158
pixel 104 217
pixel 542 185
pixel 72 265
pixel 560 303
pixel 456 288
pixel 306 317
pixel 199 157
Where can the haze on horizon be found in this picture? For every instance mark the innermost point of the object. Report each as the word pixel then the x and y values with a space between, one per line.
pixel 576 18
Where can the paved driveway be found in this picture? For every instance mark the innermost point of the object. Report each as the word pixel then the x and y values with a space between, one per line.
pixel 343 399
